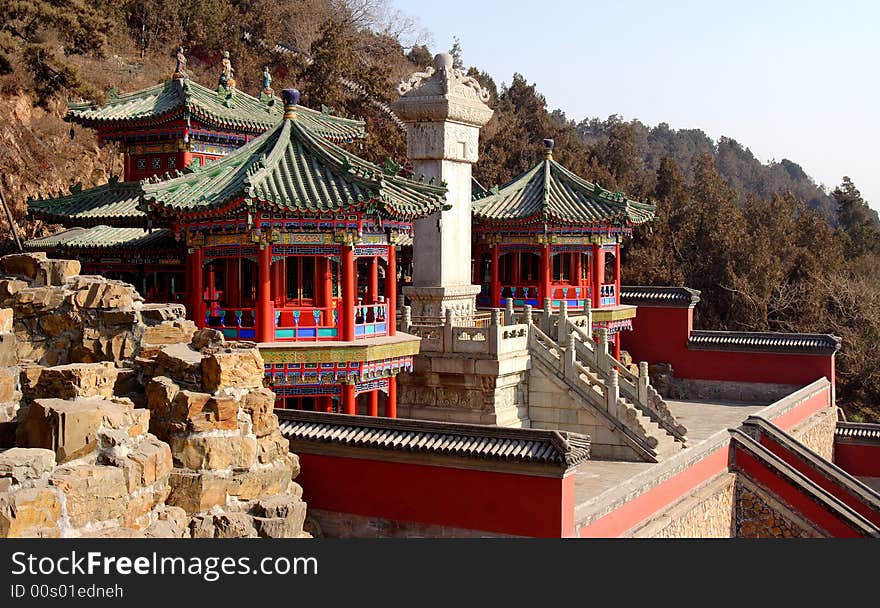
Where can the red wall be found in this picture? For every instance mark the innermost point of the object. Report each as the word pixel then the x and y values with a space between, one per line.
pixel 792 495
pixel 660 497
pixel 841 492
pixel 660 335
pixel 858 460
pixel 505 503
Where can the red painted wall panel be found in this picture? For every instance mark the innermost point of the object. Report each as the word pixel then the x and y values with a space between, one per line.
pixel 660 335
pixel 476 500
pixel 859 460
pixel 794 497
pixel 852 500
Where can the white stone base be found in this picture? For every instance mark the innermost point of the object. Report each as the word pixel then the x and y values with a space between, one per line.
pixel 433 302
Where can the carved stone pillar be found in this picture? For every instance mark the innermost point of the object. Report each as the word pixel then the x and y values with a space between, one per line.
pixel 444 111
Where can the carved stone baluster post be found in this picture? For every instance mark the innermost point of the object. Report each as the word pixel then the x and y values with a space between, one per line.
pixel 613 392
pixel 644 381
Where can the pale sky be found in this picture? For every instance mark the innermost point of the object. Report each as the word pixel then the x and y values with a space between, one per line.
pixel 796 80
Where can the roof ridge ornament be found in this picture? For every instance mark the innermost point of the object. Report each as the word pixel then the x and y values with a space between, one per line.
pixel 180 69
pixel 226 81
pixel 267 94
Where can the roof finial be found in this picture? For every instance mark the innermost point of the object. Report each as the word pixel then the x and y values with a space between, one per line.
pixel 267 94
pixel 180 70
pixel 226 82
pixel 290 97
pixel 548 153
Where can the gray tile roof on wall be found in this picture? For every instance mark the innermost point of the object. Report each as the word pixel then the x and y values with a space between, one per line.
pixel 647 295
pixel 858 431
pixel 478 442
pixel 813 344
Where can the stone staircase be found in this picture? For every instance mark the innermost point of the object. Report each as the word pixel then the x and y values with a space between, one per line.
pixel 626 401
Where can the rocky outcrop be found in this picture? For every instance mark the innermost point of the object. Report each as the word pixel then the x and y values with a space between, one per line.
pixel 121 419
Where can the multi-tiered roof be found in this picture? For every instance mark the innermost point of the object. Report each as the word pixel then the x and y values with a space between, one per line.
pixel 291 170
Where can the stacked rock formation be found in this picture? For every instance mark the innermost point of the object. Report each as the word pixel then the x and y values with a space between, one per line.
pixel 118 418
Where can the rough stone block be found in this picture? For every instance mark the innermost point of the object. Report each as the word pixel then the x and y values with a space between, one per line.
pixel 262 481
pixel 197 491
pixel 180 363
pixel 9 350
pixel 233 368
pixel 22 464
pixel 29 513
pixel 169 332
pixel 9 384
pixel 148 463
pixel 209 451
pixel 207 338
pixel 153 314
pixel 7 319
pixel 161 392
pixel 25 265
pixel 259 404
pixel 68 428
pixel 93 493
pixel 69 381
pixel 272 447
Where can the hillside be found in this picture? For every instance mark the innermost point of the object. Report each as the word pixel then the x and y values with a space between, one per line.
pixel 770 249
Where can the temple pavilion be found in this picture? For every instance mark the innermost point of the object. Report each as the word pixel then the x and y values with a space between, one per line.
pixel 552 237
pixel 174 126
pixel 247 210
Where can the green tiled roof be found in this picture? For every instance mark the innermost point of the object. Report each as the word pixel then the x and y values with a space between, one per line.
pixel 550 192
pixel 103 237
pixel 290 169
pixel 114 203
pixel 174 98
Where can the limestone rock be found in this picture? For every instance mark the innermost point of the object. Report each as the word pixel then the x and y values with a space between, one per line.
pixel 234 525
pixel 23 464
pixel 169 332
pixel 206 338
pixel 93 493
pixel 68 428
pixel 260 405
pixel 25 265
pixel 30 513
pixel 233 368
pixel 272 447
pixel 261 481
pixel 181 363
pixel 153 314
pixel 212 452
pixel 69 381
pixel 197 491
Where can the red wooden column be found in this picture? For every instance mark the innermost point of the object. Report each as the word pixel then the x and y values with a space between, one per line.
pixel 372 280
pixel 546 268
pixel 198 287
pixel 391 289
pixel 617 272
pixel 189 282
pixel 346 317
pixel 349 399
pixel 495 283
pixel 373 403
pixel 598 272
pixel 391 404
pixel 265 309
pixel 325 404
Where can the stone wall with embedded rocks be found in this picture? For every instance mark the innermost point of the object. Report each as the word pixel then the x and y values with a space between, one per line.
pixel 760 515
pixel 119 418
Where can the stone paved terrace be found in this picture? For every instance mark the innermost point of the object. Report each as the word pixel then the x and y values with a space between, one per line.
pixel 703 419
